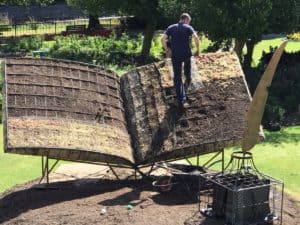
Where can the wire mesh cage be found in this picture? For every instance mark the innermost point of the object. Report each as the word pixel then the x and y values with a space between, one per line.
pixel 241 195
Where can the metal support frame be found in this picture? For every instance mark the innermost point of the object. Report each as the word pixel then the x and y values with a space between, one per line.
pixel 113 171
pixel 45 168
pixel 209 163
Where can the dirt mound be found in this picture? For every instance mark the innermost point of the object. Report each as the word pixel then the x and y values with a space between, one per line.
pixel 84 201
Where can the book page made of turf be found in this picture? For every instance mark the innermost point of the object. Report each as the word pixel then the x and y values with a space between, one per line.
pixel 213 118
pixel 64 110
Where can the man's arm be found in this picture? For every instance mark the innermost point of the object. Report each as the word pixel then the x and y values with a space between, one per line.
pixel 197 43
pixel 164 40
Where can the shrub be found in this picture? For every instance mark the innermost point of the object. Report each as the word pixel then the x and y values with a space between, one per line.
pixel 284 93
pixel 25 45
pixel 294 36
pixel 99 50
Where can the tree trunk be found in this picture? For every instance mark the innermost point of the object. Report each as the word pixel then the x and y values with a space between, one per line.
pixel 238 47
pixel 94 23
pixel 248 57
pixel 148 36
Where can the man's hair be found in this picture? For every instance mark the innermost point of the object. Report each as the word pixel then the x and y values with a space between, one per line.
pixel 185 16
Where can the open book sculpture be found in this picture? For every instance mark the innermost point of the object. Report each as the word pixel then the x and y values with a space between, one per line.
pixel 74 111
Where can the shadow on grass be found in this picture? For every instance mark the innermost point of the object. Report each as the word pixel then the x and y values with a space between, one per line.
pixel 280 137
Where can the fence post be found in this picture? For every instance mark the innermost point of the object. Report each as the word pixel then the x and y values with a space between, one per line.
pixel 15 30
pixel 55 27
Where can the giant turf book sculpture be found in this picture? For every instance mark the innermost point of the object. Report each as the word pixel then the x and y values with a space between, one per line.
pixel 80 112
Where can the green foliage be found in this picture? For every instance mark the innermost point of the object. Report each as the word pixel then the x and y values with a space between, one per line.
pixel 1 86
pixel 273 111
pixel 284 16
pixel 156 48
pixel 294 36
pixel 93 7
pixel 232 19
pixel 98 50
pixel 244 19
pixel 17 45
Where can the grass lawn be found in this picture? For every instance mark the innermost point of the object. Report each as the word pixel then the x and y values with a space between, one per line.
pixel 264 45
pixel 17 169
pixel 278 156
pixel 39 28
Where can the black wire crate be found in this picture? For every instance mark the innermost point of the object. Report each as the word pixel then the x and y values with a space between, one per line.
pixel 243 196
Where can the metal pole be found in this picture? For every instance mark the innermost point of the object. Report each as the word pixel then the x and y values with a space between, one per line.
pixel 281 212
pixel 113 171
pixel 55 27
pixel 47 169
pixel 189 161
pixel 223 163
pixel 198 160
pixel 15 30
pixel 43 171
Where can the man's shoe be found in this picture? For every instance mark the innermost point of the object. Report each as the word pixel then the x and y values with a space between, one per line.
pixel 187 84
pixel 181 104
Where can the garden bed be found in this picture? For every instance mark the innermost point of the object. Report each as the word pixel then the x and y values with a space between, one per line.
pixel 81 202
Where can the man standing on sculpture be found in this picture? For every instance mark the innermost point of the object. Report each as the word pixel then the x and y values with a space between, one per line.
pixel 180 34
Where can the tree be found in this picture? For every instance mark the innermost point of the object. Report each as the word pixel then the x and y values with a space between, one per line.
pixel 243 20
pixel 94 9
pixel 283 18
pixel 153 13
pixel 238 19
pixel 144 10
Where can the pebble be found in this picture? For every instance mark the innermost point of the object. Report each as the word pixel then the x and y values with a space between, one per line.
pixel 103 211
pixel 129 207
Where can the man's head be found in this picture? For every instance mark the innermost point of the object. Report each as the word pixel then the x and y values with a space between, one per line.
pixel 185 18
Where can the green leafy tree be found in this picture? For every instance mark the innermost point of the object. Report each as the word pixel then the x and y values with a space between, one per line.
pixel 237 19
pixel 144 10
pixel 243 20
pixel 155 14
pixel 95 8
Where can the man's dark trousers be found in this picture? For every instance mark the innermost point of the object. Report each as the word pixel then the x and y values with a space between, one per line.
pixel 177 68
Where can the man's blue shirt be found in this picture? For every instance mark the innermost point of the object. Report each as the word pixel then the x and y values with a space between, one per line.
pixel 180 34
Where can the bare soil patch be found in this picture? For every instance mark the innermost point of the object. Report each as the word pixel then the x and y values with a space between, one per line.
pixel 81 202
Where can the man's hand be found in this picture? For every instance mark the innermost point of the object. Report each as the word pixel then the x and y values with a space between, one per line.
pixel 168 53
pixel 196 40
